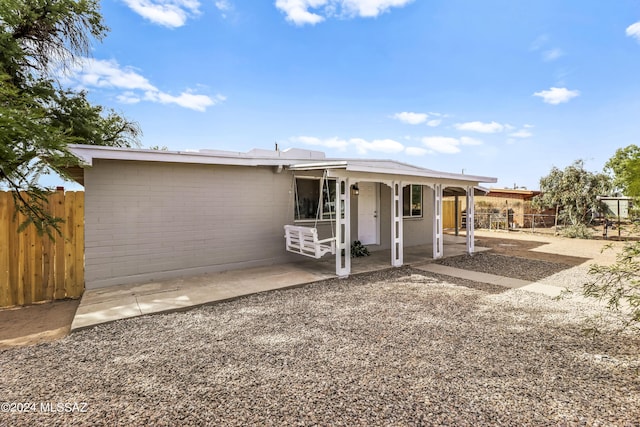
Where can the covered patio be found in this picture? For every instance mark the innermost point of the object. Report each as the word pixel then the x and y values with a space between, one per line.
pixel 400 209
pixel 379 260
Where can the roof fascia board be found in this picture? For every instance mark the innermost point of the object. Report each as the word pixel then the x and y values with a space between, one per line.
pixel 318 165
pixel 410 171
pixel 422 174
pixel 406 179
pixel 88 153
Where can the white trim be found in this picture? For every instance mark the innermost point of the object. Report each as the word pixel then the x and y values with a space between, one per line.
pixel 397 243
pixel 410 216
pixel 438 232
pixel 470 221
pixel 343 228
pixel 294 159
pixel 88 153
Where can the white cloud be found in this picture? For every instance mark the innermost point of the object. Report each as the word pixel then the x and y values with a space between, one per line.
pixel 301 12
pixel 371 8
pixel 557 95
pixel 522 133
pixel 552 54
pixel 416 151
pixel 448 145
pixel 465 140
pixel 128 98
pixel 340 144
pixel 296 11
pixel 419 118
pixel 411 118
pixel 109 74
pixel 442 144
pixel 185 99
pixel 169 13
pixel 223 5
pixel 378 145
pixel 481 127
pixel 361 145
pixel 539 42
pixel 633 30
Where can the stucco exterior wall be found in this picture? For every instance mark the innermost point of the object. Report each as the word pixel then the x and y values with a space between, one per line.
pixel 152 221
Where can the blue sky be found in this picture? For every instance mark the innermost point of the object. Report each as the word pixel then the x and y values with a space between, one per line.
pixel 496 88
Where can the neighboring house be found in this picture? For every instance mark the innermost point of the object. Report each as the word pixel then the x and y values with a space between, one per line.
pixel 153 215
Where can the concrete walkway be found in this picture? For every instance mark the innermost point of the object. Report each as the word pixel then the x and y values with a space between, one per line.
pixel 507 282
pixel 475 276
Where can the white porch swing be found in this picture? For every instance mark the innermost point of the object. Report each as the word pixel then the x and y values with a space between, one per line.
pixel 304 240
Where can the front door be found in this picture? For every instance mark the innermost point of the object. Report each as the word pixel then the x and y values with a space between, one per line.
pixel 368 206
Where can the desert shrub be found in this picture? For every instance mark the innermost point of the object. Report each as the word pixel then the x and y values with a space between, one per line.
pixel 577 231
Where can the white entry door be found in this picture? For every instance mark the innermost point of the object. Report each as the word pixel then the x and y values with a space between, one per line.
pixel 368 206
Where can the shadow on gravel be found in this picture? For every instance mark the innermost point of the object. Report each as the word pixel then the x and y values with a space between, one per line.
pixel 506 266
pixel 524 249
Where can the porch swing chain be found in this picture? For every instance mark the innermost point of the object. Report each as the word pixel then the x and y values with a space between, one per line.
pixel 295 198
pixel 325 186
pixel 328 190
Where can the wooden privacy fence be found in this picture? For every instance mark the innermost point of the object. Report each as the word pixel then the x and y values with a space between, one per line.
pixel 36 268
pixel 449 214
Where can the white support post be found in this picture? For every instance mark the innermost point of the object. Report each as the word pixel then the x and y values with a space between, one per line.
pixel 396 224
pixel 343 228
pixel 438 234
pixel 470 220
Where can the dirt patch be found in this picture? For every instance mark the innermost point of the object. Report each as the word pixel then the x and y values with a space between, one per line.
pixel 36 323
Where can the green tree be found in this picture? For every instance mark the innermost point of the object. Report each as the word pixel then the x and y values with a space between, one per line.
pixel 619 285
pixel 624 167
pixel 38 118
pixel 574 191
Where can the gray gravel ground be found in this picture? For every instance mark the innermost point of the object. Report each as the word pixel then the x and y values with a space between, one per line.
pixel 398 347
pixel 507 266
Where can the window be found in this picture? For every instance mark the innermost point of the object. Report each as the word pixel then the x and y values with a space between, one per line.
pixel 412 201
pixel 308 195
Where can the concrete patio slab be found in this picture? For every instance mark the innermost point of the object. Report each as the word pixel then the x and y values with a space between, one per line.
pixel 120 302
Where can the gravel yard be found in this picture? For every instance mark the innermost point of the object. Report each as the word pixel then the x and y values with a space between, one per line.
pixel 507 266
pixel 396 347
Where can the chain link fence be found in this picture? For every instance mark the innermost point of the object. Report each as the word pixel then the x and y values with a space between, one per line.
pixel 509 221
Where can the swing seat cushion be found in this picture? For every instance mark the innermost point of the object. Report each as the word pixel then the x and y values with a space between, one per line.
pixel 304 241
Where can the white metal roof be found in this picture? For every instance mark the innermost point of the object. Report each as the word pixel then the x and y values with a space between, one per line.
pixel 294 159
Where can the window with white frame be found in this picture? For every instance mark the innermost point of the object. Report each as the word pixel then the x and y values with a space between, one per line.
pixel 307 196
pixel 412 201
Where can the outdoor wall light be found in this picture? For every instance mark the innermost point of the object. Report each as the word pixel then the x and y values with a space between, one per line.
pixel 355 190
